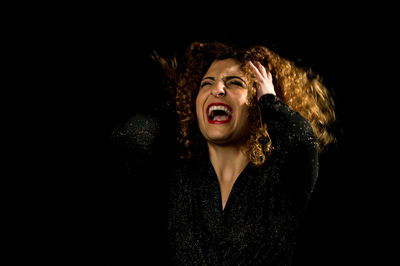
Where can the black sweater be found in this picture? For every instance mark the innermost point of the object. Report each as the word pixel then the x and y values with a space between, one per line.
pixel 259 223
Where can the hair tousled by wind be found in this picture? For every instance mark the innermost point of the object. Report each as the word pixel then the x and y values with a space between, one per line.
pixel 300 89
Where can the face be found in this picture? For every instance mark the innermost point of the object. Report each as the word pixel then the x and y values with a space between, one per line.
pixel 221 109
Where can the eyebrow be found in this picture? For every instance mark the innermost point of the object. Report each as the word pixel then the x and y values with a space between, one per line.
pixel 208 78
pixel 234 77
pixel 226 78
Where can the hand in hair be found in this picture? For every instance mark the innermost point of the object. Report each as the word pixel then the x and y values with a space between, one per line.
pixel 264 80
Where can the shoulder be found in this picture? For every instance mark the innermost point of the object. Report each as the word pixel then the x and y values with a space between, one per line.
pixel 138 132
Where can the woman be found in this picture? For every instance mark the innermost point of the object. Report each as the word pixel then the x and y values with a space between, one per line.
pixel 251 125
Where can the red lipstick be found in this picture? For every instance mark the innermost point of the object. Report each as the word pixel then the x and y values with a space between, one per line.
pixel 225 115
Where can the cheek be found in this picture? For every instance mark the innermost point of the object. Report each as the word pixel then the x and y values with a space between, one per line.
pixel 244 113
pixel 199 106
pixel 244 100
pixel 244 106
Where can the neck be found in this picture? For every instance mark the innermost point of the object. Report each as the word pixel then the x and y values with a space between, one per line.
pixel 228 161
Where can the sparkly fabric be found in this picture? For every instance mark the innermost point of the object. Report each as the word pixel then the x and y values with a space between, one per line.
pixel 258 225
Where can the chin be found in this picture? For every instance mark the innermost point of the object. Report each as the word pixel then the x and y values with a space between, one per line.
pixel 220 139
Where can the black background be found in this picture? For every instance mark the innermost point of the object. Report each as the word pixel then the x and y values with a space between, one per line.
pixel 99 73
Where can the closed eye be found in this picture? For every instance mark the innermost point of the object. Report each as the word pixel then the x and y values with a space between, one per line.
pixel 236 83
pixel 204 84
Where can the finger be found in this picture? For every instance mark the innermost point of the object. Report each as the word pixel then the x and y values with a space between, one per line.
pixel 262 70
pixel 256 71
pixel 269 75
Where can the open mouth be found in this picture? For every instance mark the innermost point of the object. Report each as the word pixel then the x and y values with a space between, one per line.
pixel 219 113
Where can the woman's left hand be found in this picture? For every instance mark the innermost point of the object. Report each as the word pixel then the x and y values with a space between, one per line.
pixel 264 80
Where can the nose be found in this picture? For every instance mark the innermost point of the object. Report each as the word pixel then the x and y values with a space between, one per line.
pixel 218 91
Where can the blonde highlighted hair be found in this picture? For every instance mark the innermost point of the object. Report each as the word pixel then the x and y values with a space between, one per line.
pixel 300 89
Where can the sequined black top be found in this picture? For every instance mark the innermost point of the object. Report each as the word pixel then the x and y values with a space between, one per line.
pixel 259 223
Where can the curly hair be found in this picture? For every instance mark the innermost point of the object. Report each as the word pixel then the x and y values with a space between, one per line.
pixel 300 89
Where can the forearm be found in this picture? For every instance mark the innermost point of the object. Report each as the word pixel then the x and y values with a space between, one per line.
pixel 285 126
pixel 293 139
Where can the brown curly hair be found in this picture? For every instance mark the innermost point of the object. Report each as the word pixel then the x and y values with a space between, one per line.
pixel 300 89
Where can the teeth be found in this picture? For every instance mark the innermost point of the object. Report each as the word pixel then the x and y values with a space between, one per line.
pixel 219 107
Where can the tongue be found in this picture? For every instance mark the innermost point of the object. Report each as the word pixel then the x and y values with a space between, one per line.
pixel 221 118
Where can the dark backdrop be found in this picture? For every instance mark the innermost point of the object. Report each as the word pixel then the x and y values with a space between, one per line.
pixel 109 76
